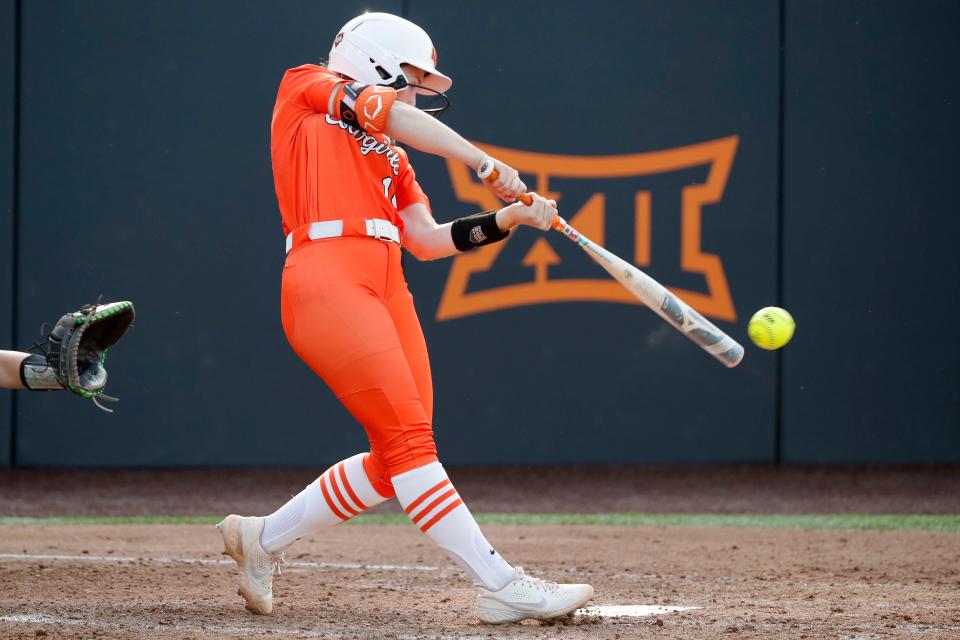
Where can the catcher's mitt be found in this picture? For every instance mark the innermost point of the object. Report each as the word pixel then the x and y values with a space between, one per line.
pixel 76 349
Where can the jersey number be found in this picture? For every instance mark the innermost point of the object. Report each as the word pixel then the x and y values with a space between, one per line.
pixel 386 191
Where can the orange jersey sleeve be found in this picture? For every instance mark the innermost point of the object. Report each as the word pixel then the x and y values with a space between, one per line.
pixel 309 87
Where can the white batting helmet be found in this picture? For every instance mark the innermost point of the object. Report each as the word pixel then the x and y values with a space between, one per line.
pixel 371 47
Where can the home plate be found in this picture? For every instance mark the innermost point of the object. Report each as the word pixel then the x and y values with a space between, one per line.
pixel 628 610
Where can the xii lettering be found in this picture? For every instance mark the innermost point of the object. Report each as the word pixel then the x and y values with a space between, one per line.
pixel 554 174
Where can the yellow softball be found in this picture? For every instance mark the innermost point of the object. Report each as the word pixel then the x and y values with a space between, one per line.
pixel 771 328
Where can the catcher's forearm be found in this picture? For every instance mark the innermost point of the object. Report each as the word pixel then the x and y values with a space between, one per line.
pixel 10 369
pixel 20 370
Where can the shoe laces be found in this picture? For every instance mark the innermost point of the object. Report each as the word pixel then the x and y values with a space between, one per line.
pixel 536 583
pixel 267 561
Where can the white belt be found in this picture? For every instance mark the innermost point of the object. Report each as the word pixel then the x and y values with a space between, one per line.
pixel 375 228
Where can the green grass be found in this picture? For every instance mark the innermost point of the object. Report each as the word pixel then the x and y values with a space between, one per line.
pixel 847 522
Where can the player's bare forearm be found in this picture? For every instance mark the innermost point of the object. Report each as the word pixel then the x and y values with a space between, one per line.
pixel 423 236
pixel 425 133
pixel 10 369
pixel 426 239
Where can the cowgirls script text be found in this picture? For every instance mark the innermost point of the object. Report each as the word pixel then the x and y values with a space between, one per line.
pixel 368 143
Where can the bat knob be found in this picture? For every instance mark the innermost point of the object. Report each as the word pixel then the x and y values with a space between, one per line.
pixel 486 170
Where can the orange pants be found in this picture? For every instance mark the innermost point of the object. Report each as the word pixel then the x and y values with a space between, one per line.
pixel 348 314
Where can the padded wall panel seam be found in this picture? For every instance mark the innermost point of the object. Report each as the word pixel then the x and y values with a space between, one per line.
pixel 8 65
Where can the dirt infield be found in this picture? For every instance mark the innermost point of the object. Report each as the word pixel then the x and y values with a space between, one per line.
pixel 124 582
pixel 388 581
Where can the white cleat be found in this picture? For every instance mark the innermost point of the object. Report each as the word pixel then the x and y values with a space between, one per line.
pixel 525 597
pixel 241 541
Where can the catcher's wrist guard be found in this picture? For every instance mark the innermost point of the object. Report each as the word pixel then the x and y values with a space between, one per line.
pixel 37 375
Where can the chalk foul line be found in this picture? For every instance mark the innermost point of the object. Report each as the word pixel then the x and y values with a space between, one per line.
pixel 606 611
pixel 204 561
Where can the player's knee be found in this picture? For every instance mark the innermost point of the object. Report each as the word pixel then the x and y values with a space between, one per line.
pixel 415 449
pixel 401 436
pixel 378 474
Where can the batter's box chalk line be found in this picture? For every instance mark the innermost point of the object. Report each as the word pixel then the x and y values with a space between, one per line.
pixel 292 563
pixel 628 610
pixel 612 611
pixel 607 611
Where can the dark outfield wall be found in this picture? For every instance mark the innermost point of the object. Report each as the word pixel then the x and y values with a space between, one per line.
pixel 144 141
pixel 871 267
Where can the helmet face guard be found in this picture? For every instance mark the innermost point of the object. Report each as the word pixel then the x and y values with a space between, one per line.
pixel 372 47
pixel 439 101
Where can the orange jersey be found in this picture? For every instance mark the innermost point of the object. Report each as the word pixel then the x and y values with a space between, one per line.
pixel 324 169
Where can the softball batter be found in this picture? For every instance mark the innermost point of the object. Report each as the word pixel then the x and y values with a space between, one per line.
pixel 349 201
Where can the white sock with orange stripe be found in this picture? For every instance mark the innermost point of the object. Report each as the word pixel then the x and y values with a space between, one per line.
pixel 434 505
pixel 343 491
